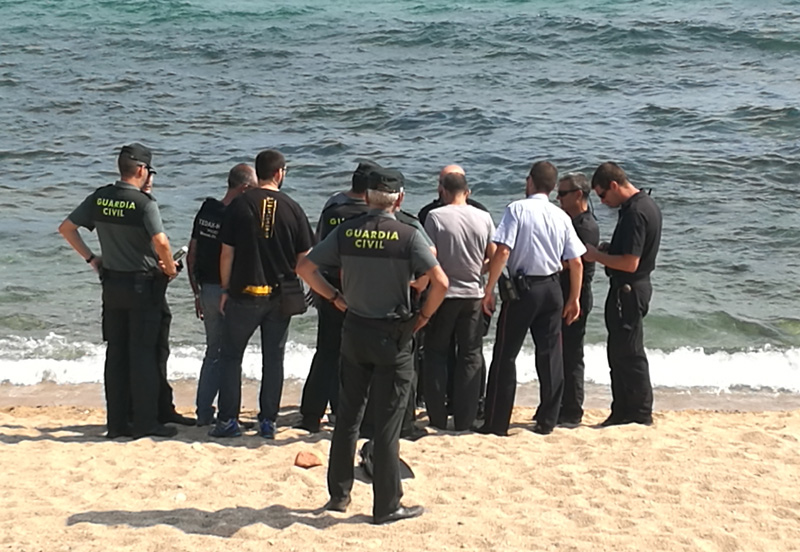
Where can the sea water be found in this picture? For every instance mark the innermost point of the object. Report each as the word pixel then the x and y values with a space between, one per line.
pixel 698 102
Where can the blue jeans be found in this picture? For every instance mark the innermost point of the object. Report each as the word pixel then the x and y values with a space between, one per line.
pixel 242 317
pixel 208 382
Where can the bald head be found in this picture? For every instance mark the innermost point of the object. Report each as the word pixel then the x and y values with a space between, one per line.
pixel 451 169
pixel 242 175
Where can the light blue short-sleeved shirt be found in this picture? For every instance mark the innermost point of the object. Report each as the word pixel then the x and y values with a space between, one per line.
pixel 540 236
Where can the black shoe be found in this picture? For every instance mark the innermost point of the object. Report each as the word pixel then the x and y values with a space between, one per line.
pixel 569 424
pixel 309 423
pixel 338 504
pixel 646 421
pixel 414 434
pixel 614 420
pixel 158 431
pixel 486 430
pixel 116 433
pixel 402 512
pixel 540 429
pixel 175 418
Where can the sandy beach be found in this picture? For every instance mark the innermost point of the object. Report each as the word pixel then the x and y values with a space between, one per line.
pixel 696 480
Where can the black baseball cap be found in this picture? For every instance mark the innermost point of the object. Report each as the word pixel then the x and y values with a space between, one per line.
pixel 386 180
pixel 361 175
pixel 138 152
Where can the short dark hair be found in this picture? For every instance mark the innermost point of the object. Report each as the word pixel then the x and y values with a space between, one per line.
pixel 268 162
pixel 606 173
pixel 240 175
pixel 454 183
pixel 578 181
pixel 544 176
pixel 127 166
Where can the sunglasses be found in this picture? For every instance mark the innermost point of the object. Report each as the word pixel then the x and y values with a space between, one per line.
pixel 562 193
pixel 602 195
pixel 150 170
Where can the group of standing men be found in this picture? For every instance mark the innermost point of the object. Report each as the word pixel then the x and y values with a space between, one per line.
pixel 378 279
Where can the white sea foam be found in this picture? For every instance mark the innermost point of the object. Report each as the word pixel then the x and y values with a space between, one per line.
pixel 27 361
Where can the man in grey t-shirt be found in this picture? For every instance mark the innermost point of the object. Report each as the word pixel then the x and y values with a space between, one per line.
pixel 462 235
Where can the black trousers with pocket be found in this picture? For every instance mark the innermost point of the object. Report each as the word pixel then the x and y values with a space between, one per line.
pixel 132 313
pixel 631 390
pixel 462 320
pixel 538 311
pixel 373 362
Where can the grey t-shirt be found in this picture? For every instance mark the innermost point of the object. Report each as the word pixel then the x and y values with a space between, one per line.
pixel 461 234
pixel 378 257
pixel 126 220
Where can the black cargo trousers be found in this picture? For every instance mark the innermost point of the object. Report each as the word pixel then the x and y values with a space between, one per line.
pixel 632 393
pixel 132 315
pixel 375 362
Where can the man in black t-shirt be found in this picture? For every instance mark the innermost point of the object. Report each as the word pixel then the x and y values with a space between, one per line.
pixel 573 195
pixel 322 383
pixel 203 264
pixel 264 234
pixel 629 260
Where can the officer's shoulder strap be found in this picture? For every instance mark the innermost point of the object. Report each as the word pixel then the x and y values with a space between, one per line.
pixel 406 217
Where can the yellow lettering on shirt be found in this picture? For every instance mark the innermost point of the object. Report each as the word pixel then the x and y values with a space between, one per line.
pixel 370 239
pixel 115 207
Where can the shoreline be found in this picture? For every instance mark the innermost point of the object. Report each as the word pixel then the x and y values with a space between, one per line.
pixel 91 395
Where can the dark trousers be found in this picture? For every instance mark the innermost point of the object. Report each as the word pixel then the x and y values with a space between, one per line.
pixel 572 337
pixel 322 384
pixel 409 426
pixel 460 319
pixel 166 406
pixel 631 390
pixel 373 362
pixel 213 323
pixel 538 311
pixel 132 312
pixel 242 317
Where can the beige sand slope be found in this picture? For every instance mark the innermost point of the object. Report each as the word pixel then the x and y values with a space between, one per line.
pixel 697 480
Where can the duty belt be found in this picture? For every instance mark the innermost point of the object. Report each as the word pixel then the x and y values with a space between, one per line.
pixel 542 278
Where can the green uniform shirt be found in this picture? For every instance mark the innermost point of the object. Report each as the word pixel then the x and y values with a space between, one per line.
pixel 378 257
pixel 126 220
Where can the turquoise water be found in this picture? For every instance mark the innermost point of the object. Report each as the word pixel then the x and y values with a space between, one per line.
pixel 698 102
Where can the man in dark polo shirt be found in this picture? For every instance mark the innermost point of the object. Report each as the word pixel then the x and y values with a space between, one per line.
pixel 378 257
pixel 322 383
pixel 136 263
pixel 629 260
pixel 203 263
pixel 573 195
pixel 264 234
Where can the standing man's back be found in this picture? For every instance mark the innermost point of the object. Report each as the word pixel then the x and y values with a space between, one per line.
pixel 264 235
pixel 322 384
pixel 203 264
pixel 133 242
pixel 462 235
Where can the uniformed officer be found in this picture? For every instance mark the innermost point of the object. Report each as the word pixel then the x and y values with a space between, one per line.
pixel 136 263
pixel 533 238
pixel 573 195
pixel 629 260
pixel 322 383
pixel 378 257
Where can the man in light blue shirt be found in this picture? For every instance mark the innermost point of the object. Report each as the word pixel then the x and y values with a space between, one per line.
pixel 533 239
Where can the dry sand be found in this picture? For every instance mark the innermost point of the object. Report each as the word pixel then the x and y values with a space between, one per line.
pixel 696 480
